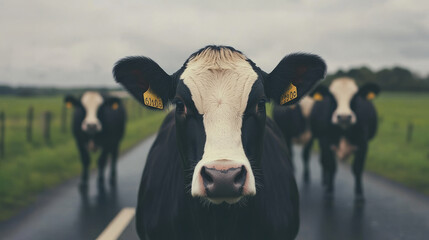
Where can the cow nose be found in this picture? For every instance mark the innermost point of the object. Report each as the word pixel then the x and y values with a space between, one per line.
pixel 91 127
pixel 227 183
pixel 344 119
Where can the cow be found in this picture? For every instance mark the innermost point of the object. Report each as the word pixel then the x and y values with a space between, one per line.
pixel 294 122
pixel 218 168
pixel 98 122
pixel 344 122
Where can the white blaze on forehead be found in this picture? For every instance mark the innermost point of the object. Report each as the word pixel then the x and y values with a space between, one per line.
pixel 91 101
pixel 343 90
pixel 220 82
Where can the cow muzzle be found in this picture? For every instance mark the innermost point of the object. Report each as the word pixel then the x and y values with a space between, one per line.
pixel 228 183
pixel 223 181
pixel 91 128
pixel 344 119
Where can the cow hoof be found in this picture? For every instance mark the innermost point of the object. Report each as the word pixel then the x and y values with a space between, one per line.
pixel 112 182
pixel 306 177
pixel 359 198
pixel 83 187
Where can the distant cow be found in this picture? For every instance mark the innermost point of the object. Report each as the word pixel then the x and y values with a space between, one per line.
pixel 98 122
pixel 294 122
pixel 344 122
pixel 218 168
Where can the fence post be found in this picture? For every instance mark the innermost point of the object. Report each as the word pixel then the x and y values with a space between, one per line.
pixel 30 117
pixel 410 132
pixel 2 133
pixel 64 119
pixel 47 126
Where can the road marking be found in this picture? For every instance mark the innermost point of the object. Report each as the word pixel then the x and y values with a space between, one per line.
pixel 118 224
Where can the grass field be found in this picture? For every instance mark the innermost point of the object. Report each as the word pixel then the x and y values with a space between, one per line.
pixel 390 155
pixel 29 168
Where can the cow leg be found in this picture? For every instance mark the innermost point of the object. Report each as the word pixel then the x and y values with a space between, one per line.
pixel 329 165
pixel 101 166
pixel 357 168
pixel 114 155
pixel 305 159
pixel 84 157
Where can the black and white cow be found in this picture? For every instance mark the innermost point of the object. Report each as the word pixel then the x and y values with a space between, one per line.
pixel 294 122
pixel 98 122
pixel 218 168
pixel 344 122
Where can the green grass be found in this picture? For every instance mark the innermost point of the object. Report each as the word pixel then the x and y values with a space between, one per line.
pixel 29 168
pixel 390 155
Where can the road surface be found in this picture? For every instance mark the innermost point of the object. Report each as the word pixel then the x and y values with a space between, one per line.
pixel 389 212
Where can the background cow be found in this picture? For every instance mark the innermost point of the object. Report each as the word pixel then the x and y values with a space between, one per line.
pixel 294 122
pixel 344 122
pixel 218 168
pixel 98 122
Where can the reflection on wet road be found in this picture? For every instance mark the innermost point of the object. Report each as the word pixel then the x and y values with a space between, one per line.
pixel 390 211
pixel 64 213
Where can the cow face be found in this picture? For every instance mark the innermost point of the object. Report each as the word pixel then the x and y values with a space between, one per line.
pixel 92 104
pixel 343 92
pixel 220 113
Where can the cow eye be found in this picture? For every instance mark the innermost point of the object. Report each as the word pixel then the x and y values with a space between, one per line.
pixel 261 105
pixel 180 106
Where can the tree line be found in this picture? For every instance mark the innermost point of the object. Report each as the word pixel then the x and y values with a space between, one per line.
pixel 389 79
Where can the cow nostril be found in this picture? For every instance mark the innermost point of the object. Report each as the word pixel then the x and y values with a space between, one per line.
pixel 241 176
pixel 206 177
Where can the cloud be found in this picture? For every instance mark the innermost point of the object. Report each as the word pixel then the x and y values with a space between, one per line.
pixel 75 43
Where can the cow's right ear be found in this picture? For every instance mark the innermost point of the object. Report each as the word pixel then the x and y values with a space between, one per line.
pixel 71 101
pixel 145 80
pixel 320 93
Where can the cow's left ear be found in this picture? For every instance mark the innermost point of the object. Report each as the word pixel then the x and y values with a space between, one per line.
pixel 294 77
pixel 369 91
pixel 71 101
pixel 112 102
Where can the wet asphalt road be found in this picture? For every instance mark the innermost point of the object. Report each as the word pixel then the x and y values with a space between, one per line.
pixel 389 212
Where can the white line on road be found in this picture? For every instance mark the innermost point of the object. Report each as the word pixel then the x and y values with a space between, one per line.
pixel 118 224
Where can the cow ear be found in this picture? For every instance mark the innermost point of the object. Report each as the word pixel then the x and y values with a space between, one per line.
pixel 112 102
pixel 145 80
pixel 369 91
pixel 294 76
pixel 71 101
pixel 320 93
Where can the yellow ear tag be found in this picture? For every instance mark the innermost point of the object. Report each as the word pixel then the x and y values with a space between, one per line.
pixel 318 97
pixel 152 100
pixel 68 105
pixel 370 96
pixel 115 106
pixel 290 94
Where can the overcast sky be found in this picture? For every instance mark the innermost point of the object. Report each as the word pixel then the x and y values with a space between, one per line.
pixel 76 43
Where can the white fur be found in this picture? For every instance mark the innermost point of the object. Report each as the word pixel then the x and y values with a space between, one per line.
pixel 220 83
pixel 344 149
pixel 343 90
pixel 91 101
